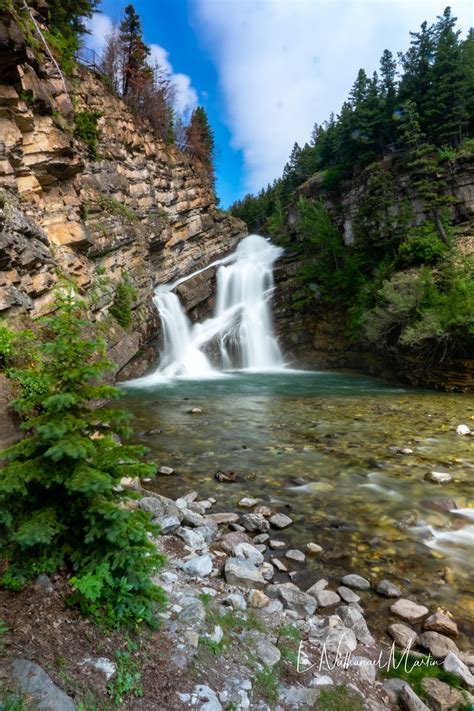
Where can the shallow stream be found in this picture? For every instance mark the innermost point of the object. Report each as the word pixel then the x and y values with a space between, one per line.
pixel 322 448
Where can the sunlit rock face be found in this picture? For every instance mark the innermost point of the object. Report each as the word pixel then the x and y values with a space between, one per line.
pixel 142 210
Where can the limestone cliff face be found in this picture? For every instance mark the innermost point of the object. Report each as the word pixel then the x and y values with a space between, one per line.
pixel 143 211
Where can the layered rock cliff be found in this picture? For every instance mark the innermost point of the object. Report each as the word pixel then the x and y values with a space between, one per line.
pixel 142 212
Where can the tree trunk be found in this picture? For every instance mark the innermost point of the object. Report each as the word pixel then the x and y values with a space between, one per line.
pixel 439 226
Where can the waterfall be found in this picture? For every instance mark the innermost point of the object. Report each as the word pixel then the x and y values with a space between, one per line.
pixel 240 332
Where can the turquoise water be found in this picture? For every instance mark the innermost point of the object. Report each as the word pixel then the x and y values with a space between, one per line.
pixel 317 446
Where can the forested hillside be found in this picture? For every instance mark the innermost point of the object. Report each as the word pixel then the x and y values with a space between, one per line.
pixel 403 134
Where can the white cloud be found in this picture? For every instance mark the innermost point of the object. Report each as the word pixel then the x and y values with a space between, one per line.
pixel 186 98
pixel 284 64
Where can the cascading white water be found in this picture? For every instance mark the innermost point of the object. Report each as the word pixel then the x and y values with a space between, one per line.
pixel 240 331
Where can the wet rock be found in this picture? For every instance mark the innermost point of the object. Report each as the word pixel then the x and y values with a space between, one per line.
pixel 438 622
pixel 409 610
pixel 296 555
pixel 195 411
pixel 297 697
pixel 254 522
pixel 226 476
pixel 191 537
pixel 243 573
pixel 355 581
pixel 229 541
pixel 327 598
pixel 249 552
pixel 167 471
pixel 279 565
pixel 193 615
pixel 316 587
pixel 201 566
pixel 439 477
pixel 261 538
pixel 410 701
pixel 294 599
pixel 258 599
pixel 264 510
pixel 266 652
pixel 453 664
pixel 33 681
pixel 437 644
pixel 261 547
pixel 354 620
pixel 440 503
pixel 462 430
pixel 276 545
pixel 236 601
pixel 280 520
pixel 402 635
pixel 313 549
pixel 224 517
pixel 190 496
pixel 247 502
pixel 441 696
pixel 347 594
pixel 387 589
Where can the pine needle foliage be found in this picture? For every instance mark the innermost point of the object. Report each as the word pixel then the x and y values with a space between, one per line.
pixel 60 500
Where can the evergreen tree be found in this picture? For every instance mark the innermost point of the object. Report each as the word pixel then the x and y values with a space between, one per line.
pixel 200 139
pixel 136 72
pixel 467 51
pixel 388 96
pixel 67 16
pixel 417 63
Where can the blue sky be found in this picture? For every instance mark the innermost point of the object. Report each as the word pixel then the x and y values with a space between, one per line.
pixel 266 70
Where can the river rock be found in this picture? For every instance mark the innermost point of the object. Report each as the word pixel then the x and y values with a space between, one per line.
pixel 463 430
pixel 266 652
pixel 438 622
pixel 296 555
pixel 387 589
pixel 208 530
pixel 191 537
pixel 167 471
pixel 236 601
pixel 254 522
pixel 453 664
pixel 264 510
pixel 200 565
pixel 167 524
pixel 258 599
pixel 347 594
pixel 327 598
pixel 33 680
pixel 409 610
pixel 410 701
pixel 354 620
pixel 279 565
pixel 223 517
pixel 261 538
pixel 437 644
pixel 280 520
pixel 195 411
pixel 441 696
pixel 241 572
pixel 440 503
pixel 153 505
pixel 402 635
pixel 276 545
pixel 249 552
pixel 191 518
pixel 316 587
pixel 190 496
pixel 229 541
pixel 439 477
pixel 248 503
pixel 196 506
pixel 355 581
pixel 293 598
pixel 267 570
pixel 313 549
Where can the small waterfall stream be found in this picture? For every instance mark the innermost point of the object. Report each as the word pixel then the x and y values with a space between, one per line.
pixel 240 331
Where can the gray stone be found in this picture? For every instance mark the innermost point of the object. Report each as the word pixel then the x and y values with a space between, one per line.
pixel 248 503
pixel 409 610
pixel 296 555
pixel 197 507
pixel 229 541
pixel 327 598
pixel 438 622
pixel 267 570
pixel 276 545
pixel 441 696
pixel 321 680
pixel 317 586
pixel 297 697
pixel 355 581
pixel 249 552
pixel 208 531
pixel 410 701
pixel 365 669
pixel 437 644
pixel 167 524
pixel 439 477
pixel 192 537
pixel 166 471
pixel 224 517
pixel 392 688
pixel 280 520
pixel 453 664
pixel 236 601
pixel 243 573
pixel 313 549
pixel 34 681
pixel 254 522
pixel 266 652
pixel 355 621
pixel 331 633
pixel 295 599
pixel 193 615
pixel 44 583
pixel 201 565
pixel 261 538
pixel 347 594
pixel 205 693
pixel 402 635
pixel 279 565
pixel 387 589
pixel 191 518
pixel 153 505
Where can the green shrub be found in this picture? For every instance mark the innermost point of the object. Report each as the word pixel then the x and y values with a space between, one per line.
pixel 121 309
pixel 88 131
pixel 7 346
pixel 423 246
pixel 117 208
pixel 60 503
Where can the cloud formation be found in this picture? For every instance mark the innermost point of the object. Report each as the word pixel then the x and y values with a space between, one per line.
pixel 186 98
pixel 285 64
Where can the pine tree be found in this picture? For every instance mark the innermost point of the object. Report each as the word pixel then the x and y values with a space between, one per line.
pixel 417 78
pixel 467 51
pixel 388 96
pixel 67 16
pixel 200 139
pixel 60 500
pixel 136 72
